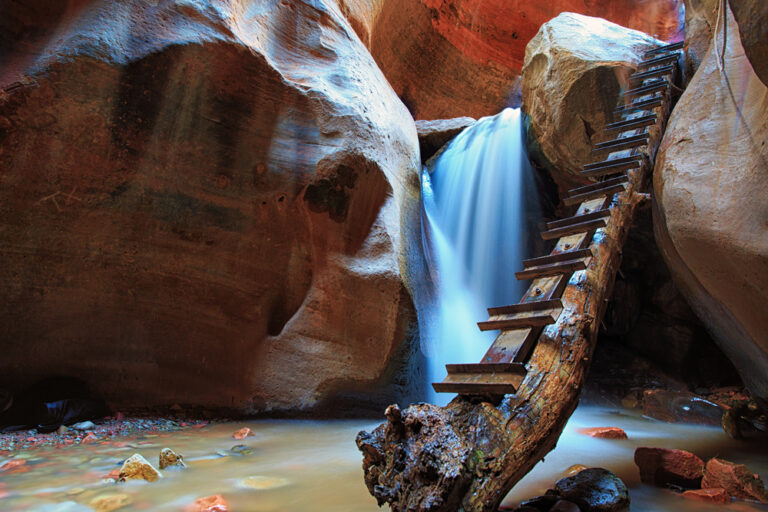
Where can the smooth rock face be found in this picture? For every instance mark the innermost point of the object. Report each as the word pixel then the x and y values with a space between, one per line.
pixel 752 17
pixel 462 57
pixel 571 82
pixel 736 479
pixel 137 467
pixel 201 204
pixel 594 489
pixel 433 135
pixel 662 466
pixel 711 185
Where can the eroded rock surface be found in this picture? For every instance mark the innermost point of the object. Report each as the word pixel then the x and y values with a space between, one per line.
pixel 711 185
pixel 201 203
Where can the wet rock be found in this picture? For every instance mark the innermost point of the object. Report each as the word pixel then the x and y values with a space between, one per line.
pixel 594 489
pixel 137 467
pixel 169 458
pixel 571 82
pixel 541 503
pixel 572 470
pixel 663 466
pixel 435 134
pixel 215 503
pixel 565 506
pixel 90 437
pixel 241 449
pixel 736 479
pixel 109 502
pixel 604 432
pixel 752 17
pixel 681 407
pixel 242 433
pixel 709 181
pixel 84 425
pixel 717 496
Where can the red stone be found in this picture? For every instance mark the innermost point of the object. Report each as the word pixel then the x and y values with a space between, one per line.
pixel 242 433
pixel 604 432
pixel 736 479
pixel 662 466
pixel 716 495
pixel 11 465
pixel 90 437
pixel 215 503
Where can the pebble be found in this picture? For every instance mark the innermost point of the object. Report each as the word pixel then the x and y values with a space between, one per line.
pixel 168 458
pixel 242 433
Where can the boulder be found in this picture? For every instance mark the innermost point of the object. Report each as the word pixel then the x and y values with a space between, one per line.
pixel 202 203
pixel 710 187
pixel 137 467
pixel 433 135
pixel 170 459
pixel 573 74
pixel 737 480
pixel 717 496
pixel 664 466
pixel 752 17
pixel 594 489
pixel 681 407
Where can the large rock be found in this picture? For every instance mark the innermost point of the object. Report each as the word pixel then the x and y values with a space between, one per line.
pixel 663 466
pixel 711 186
pixel 463 57
pixel 752 17
pixel 736 479
pixel 201 203
pixel 574 68
pixel 595 490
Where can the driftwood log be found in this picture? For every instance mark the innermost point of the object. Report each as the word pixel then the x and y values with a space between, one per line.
pixel 468 454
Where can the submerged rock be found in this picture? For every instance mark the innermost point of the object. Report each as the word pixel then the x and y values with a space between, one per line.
pixel 595 490
pixel 736 479
pixel 718 495
pixel 664 466
pixel 169 458
pixel 215 503
pixel 110 502
pixel 137 467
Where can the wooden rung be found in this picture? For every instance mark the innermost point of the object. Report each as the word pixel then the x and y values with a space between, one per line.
pixel 666 48
pixel 479 388
pixel 519 322
pixel 630 124
pixel 526 307
pixel 554 258
pixel 659 85
pixel 517 368
pixel 578 219
pixel 650 103
pixel 572 229
pixel 621 144
pixel 605 191
pixel 598 185
pixel 664 59
pixel 614 162
pixel 612 169
pixel 562 267
pixel 653 73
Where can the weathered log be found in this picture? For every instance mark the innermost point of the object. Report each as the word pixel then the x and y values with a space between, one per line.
pixel 468 454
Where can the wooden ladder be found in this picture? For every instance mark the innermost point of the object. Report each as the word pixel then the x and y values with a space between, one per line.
pixel 502 369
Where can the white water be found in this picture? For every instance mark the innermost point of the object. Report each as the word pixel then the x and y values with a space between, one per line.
pixel 476 200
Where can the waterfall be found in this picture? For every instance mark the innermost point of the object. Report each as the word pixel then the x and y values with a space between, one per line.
pixel 479 206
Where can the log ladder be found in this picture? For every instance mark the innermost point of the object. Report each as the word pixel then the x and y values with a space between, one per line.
pixel 646 105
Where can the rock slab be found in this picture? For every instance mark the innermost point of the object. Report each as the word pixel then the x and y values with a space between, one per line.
pixel 663 466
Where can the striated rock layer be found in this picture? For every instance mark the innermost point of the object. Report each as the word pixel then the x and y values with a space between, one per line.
pixel 711 190
pixel 201 203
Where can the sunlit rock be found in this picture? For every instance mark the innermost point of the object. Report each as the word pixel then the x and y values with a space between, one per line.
pixel 110 502
pixel 137 467
pixel 710 185
pixel 170 459
pixel 573 74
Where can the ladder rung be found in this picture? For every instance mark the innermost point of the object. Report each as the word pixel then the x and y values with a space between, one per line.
pixel 526 307
pixel 478 388
pixel 650 103
pixel 562 267
pixel 605 191
pixel 653 73
pixel 521 322
pixel 647 89
pixel 623 143
pixel 573 229
pixel 554 258
pixel 516 368
pixel 666 48
pixel 598 185
pixel 629 124
pixel 664 59
pixel 611 169
pixel 614 162
pixel 578 219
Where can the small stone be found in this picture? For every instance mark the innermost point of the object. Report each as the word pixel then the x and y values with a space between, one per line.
pixel 242 433
pixel 565 506
pixel 716 495
pixel 261 483
pixel 169 458
pixel 604 432
pixel 575 469
pixel 109 502
pixel 215 503
pixel 137 467
pixel 84 425
pixel 241 449
pixel 594 489
pixel 736 479
pixel 90 437
pixel 663 466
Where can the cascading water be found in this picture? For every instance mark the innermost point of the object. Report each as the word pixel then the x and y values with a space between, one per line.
pixel 479 205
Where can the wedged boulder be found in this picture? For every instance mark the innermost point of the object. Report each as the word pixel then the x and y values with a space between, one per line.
pixel 737 480
pixel 752 17
pixel 710 185
pixel 433 135
pixel 201 204
pixel 573 75
pixel 663 466
pixel 700 21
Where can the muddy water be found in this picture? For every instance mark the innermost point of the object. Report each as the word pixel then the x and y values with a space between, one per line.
pixel 314 466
